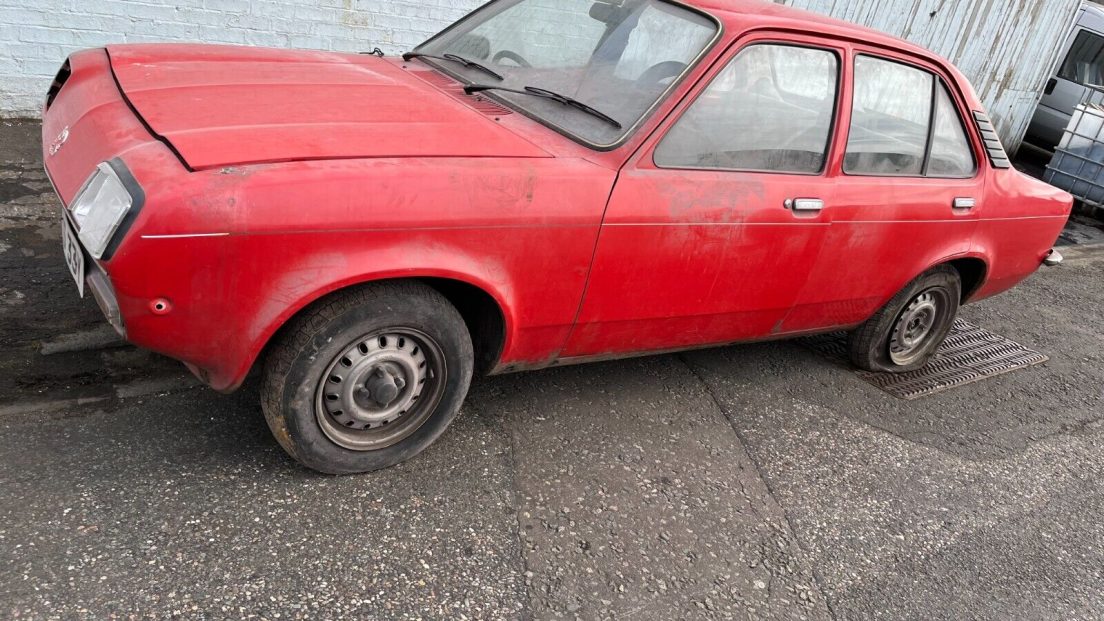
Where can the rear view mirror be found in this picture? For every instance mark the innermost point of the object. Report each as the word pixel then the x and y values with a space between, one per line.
pixel 608 12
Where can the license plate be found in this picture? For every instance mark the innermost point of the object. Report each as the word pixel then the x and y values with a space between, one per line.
pixel 74 257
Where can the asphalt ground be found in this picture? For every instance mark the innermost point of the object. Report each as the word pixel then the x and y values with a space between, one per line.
pixel 751 482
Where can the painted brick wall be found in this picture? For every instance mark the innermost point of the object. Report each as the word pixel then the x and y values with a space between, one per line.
pixel 1007 48
pixel 36 35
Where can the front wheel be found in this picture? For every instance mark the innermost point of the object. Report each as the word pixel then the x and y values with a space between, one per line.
pixel 906 333
pixel 367 378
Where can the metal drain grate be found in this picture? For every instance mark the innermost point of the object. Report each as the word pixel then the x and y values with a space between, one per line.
pixel 970 354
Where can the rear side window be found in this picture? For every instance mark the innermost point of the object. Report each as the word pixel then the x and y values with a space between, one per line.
pixel 951 155
pixel 904 123
pixel 890 118
pixel 1085 62
pixel 770 109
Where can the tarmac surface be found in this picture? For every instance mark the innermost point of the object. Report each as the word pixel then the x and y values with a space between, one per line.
pixel 752 482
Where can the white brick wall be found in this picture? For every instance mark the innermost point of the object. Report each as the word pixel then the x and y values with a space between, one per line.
pixel 36 35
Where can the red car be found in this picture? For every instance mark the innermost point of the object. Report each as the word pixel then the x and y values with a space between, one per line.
pixel 545 182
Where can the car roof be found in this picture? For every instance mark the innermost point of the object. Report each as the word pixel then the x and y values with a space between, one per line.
pixel 1092 18
pixel 739 15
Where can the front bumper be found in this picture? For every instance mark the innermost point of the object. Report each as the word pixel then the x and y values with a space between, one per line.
pixel 96 279
pixel 104 294
pixel 97 282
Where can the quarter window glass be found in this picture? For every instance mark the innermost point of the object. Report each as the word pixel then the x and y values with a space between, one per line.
pixel 1085 62
pixel 950 152
pixel 770 109
pixel 889 121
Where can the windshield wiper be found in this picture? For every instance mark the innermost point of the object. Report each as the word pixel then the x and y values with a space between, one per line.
pixel 545 94
pixel 456 59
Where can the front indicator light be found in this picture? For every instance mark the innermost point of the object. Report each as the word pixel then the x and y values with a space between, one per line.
pixel 99 209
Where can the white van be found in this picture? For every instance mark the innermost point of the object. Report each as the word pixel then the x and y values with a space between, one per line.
pixel 1082 65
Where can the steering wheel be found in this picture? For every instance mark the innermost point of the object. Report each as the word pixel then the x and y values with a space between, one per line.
pixel 514 56
pixel 661 71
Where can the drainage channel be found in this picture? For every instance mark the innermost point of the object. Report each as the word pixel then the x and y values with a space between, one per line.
pixel 970 354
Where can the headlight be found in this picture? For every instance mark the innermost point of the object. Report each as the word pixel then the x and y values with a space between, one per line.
pixel 99 209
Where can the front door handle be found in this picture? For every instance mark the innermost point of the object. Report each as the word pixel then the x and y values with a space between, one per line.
pixel 804 205
pixel 1051 83
pixel 964 204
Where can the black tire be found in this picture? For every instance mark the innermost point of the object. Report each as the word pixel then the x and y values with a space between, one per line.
pixel 401 321
pixel 881 344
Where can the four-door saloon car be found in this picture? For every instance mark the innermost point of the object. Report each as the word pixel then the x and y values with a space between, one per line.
pixel 545 182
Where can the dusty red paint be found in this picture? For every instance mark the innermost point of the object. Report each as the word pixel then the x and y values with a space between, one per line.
pixel 329 170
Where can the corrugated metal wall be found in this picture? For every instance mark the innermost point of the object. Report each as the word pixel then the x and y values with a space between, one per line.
pixel 1008 48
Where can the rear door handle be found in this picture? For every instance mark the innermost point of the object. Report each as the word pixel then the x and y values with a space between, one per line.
pixel 965 204
pixel 1051 83
pixel 804 205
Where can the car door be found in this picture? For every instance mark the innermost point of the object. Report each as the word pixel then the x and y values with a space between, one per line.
pixel 714 225
pixel 1082 65
pixel 909 196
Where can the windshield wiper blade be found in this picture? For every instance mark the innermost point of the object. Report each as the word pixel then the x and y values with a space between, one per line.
pixel 456 59
pixel 545 94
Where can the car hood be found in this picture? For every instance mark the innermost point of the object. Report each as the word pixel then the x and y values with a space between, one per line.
pixel 225 105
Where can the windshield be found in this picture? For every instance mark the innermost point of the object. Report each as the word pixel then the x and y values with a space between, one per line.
pixel 618 57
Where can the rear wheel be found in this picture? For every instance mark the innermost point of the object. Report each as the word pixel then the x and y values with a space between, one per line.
pixel 907 332
pixel 368 378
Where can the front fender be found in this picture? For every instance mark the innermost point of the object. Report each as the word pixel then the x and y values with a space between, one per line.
pixel 221 319
pixel 315 276
pixel 239 251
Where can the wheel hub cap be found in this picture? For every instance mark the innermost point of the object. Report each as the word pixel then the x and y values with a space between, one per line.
pixel 915 324
pixel 380 389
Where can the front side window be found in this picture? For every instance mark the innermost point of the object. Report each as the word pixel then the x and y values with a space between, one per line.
pixel 619 58
pixel 1085 62
pixel 771 109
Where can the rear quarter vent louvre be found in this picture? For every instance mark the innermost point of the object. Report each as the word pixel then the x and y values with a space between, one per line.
pixel 59 81
pixel 997 156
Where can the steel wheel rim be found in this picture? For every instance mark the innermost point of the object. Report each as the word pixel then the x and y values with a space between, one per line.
pixel 912 332
pixel 380 389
